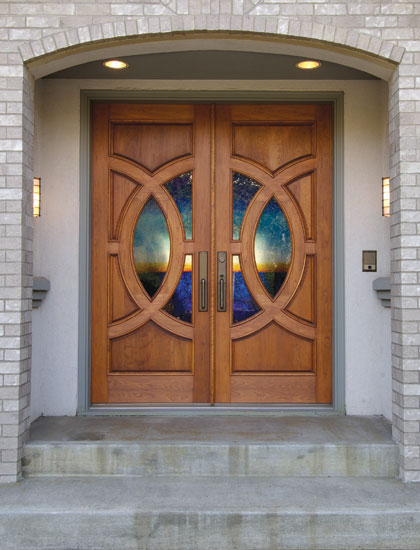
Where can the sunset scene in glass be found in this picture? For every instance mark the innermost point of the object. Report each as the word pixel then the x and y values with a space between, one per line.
pixel 151 247
pixel 179 305
pixel 272 247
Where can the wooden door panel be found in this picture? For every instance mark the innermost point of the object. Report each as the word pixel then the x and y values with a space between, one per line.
pixel 152 346
pixel 151 146
pixel 303 303
pixel 298 389
pixel 121 304
pixel 122 189
pixel 151 349
pixel 272 349
pixel 273 146
pixel 302 190
pixel 150 388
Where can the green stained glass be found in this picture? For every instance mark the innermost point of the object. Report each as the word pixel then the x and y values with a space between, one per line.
pixel 243 191
pixel 180 304
pixel 272 247
pixel 180 189
pixel 151 247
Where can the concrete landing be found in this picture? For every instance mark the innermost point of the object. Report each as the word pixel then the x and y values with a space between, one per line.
pixel 209 513
pixel 202 445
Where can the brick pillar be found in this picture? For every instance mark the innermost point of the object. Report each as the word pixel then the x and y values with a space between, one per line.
pixel 15 267
pixel 405 267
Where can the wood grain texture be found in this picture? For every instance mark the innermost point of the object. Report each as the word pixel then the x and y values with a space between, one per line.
pixel 272 349
pixel 303 303
pixel 120 302
pixel 151 349
pixel 274 389
pixel 150 388
pixel 273 146
pixel 122 189
pixel 302 190
pixel 151 146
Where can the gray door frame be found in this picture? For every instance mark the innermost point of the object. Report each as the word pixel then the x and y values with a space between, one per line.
pixel 86 99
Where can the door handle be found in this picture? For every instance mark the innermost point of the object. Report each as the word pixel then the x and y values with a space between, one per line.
pixel 221 281
pixel 203 278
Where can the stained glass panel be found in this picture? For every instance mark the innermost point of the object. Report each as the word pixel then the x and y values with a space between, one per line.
pixel 273 247
pixel 151 247
pixel 243 304
pixel 179 305
pixel 244 190
pixel 180 189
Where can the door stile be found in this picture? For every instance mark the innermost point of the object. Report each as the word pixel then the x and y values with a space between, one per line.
pixel 324 252
pixel 212 255
pixel 223 147
pixel 202 197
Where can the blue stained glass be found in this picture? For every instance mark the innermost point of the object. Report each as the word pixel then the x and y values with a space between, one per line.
pixel 272 247
pixel 244 190
pixel 179 305
pixel 243 304
pixel 151 247
pixel 180 189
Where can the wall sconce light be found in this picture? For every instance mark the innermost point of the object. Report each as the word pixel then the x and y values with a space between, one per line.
pixel 37 197
pixel 386 198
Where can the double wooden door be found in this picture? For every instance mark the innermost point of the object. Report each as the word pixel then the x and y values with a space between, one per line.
pixel 211 262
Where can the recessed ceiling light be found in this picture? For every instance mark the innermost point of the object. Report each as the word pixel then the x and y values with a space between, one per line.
pixel 308 64
pixel 115 64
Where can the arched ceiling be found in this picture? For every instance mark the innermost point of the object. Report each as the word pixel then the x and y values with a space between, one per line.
pixel 212 64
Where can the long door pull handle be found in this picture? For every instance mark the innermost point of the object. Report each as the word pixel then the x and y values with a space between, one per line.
pixel 203 278
pixel 203 294
pixel 221 281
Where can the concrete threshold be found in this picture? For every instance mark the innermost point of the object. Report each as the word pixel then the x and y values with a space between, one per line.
pixel 209 513
pixel 322 446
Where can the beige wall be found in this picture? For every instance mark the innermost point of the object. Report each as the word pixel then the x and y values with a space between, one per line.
pixel 56 236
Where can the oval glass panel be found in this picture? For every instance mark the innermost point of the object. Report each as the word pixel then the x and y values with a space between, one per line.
pixel 180 304
pixel 151 247
pixel 272 247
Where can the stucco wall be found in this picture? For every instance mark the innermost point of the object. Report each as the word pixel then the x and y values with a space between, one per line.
pixel 56 237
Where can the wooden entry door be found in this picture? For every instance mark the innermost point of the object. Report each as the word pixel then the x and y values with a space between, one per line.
pixel 211 254
pixel 275 346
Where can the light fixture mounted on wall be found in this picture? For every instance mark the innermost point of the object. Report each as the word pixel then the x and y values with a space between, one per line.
pixel 115 64
pixel 308 64
pixel 37 197
pixel 386 198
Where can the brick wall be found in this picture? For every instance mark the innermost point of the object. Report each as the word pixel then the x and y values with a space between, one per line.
pixel 31 29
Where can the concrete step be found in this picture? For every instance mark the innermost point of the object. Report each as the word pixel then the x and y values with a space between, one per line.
pixel 209 513
pixel 203 446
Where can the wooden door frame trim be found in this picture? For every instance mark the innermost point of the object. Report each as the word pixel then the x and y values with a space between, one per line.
pixel 230 96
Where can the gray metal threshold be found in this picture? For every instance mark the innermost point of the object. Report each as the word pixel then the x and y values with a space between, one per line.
pixel 210 410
